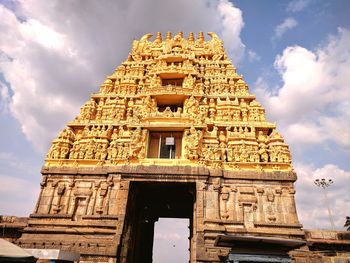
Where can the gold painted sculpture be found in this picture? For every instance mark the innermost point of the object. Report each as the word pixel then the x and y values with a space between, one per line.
pixel 184 85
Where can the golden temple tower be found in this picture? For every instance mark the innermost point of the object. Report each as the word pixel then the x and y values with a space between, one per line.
pixel 173 132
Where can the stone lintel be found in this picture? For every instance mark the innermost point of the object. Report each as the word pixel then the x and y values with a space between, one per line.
pixel 83 224
pixel 74 231
pixel 127 169
pixel 262 175
pixel 171 171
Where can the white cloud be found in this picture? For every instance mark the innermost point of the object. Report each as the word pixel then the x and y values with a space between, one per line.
pixel 4 98
pixel 252 56
pixel 312 209
pixel 232 24
pixel 58 52
pixel 288 24
pixel 312 104
pixel 297 5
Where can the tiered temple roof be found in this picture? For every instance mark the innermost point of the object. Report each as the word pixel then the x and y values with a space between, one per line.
pixel 186 87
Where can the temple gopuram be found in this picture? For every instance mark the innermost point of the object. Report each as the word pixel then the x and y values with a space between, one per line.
pixel 173 132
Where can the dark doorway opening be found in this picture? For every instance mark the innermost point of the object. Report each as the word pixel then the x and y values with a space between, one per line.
pixel 147 202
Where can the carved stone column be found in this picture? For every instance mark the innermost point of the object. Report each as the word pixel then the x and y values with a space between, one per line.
pixel 94 197
pixel 279 209
pixel 52 195
pixel 212 200
pixel 291 206
pixel 68 196
pixel 109 190
pixel 260 209
pixel 235 204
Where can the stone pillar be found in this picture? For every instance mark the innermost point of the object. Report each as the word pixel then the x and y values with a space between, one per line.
pixel 68 198
pixel 212 200
pixel 260 208
pixel 280 217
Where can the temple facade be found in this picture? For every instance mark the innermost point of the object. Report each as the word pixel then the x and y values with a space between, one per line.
pixel 172 132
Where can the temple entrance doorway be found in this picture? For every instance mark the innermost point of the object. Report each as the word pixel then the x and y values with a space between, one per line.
pixel 147 202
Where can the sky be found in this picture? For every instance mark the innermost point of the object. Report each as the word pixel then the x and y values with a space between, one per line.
pixel 294 55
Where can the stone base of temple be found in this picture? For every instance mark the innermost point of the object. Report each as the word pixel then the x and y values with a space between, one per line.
pixel 108 215
pixel 322 246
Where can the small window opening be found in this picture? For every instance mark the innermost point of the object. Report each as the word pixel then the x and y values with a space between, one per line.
pixel 165 145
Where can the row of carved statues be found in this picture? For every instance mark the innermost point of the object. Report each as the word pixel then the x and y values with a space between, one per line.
pixel 235 144
pixel 199 110
pixel 223 201
pixel 143 49
pixel 224 134
pixel 76 197
pixel 261 204
pixel 201 68
pixel 214 85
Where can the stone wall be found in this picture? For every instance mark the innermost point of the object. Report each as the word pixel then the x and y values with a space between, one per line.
pixel 83 209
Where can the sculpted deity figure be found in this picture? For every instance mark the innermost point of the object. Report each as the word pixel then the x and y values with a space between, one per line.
pixel 263 153
pixel 271 205
pixel 136 143
pixel 103 151
pixel 216 46
pixel 224 198
pixel 149 105
pixel 64 151
pixel 121 131
pixel 242 88
pixel 178 112
pixel 188 82
pixel 120 151
pixel 244 109
pixel 57 205
pixel 53 152
pixel 192 142
pixel 254 154
pixel 203 112
pixel 262 114
pixel 212 109
pixel 74 153
pixel 140 46
pixel 261 137
pixel 222 145
pixel 114 135
pixel 179 42
pixel 191 106
pixel 90 150
pixel 112 151
pixel 274 152
pixel 92 105
pixel 82 151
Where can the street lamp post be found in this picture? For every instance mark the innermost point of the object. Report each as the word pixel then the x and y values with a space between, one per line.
pixel 323 183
